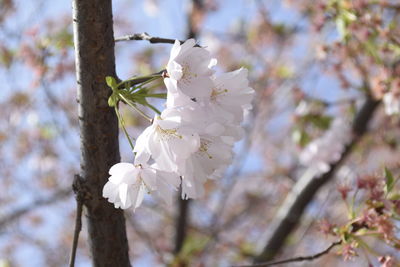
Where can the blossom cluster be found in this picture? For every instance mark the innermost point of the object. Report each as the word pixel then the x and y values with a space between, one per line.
pixel 322 152
pixel 192 139
pixel 373 215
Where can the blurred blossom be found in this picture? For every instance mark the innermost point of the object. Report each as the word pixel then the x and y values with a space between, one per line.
pixel 321 52
pixel 213 43
pixel 392 103
pixel 32 118
pixel 15 118
pixel 387 261
pixel 303 108
pixel 343 189
pixel 326 150
pixel 346 174
pixel 151 7
pixel 42 164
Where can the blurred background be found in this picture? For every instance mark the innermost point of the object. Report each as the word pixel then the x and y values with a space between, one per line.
pixel 309 62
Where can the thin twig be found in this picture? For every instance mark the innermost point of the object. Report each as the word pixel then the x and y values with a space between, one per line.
pixel 79 190
pixel 146 37
pixel 78 228
pixel 296 259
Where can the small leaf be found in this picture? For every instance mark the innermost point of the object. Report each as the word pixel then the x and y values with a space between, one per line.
pixel 348 16
pixel 394 197
pixel 320 121
pixel 112 100
pixel 111 82
pixel 300 137
pixel 390 181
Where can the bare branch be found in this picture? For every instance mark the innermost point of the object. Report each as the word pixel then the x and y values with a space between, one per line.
pixel 296 259
pixel 78 220
pixel 181 223
pixel 15 215
pixel 78 228
pixel 145 37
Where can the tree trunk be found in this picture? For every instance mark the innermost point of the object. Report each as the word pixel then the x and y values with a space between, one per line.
pixel 94 53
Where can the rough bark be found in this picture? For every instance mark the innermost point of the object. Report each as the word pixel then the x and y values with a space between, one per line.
pixel 289 215
pixel 94 52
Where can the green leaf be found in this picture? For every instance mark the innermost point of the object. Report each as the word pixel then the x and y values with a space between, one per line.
pixel 320 121
pixel 284 72
pixel 395 196
pixel 113 100
pixel 390 181
pixel 111 82
pixel 372 50
pixel 300 137
pixel 140 99
pixel 348 16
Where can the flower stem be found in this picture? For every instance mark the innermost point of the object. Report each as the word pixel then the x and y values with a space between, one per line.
pixel 148 81
pixel 121 120
pixel 161 95
pixel 141 79
pixel 135 108
pixel 154 108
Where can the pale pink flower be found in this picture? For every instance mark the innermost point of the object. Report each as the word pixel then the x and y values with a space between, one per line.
pixel 167 142
pixel 188 70
pixel 127 185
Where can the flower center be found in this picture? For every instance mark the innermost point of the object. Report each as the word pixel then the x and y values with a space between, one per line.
pixel 217 92
pixel 187 75
pixel 204 148
pixel 167 134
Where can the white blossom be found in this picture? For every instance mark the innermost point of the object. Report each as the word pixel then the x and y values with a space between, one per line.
pixel 322 152
pixel 203 164
pixel 231 95
pixel 188 70
pixel 192 139
pixel 167 141
pixel 128 183
pixel 392 103
pixel 303 108
pixel 167 184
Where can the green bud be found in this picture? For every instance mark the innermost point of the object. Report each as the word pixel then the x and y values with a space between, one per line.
pixel 111 82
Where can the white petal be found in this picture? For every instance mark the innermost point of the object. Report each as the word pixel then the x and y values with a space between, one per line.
pixel 139 196
pixel 123 193
pixel 149 178
pixel 121 168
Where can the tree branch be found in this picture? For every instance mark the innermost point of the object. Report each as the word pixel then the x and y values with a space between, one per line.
pixel 78 228
pixel 15 215
pixel 181 223
pixel 296 259
pixel 145 37
pixel 80 194
pixel 289 214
